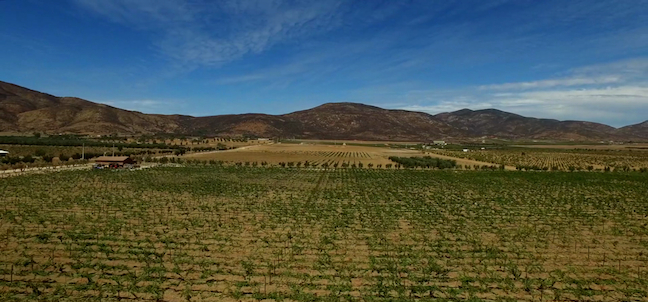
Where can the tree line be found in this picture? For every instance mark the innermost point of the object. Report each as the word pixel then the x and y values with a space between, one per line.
pixel 72 141
pixel 424 162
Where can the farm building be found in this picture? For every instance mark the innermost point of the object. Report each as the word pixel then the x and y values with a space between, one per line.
pixel 4 153
pixel 114 161
pixel 439 143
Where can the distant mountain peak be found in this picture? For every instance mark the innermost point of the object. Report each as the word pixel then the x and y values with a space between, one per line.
pixel 461 111
pixel 491 110
pixel 344 105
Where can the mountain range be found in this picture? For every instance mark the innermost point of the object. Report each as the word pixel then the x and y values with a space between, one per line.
pixel 24 110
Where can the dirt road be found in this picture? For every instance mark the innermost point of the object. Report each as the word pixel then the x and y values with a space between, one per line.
pixel 14 172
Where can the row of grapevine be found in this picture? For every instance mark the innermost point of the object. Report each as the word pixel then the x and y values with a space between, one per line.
pixel 226 233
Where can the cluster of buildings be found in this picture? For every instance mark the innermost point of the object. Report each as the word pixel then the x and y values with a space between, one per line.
pixel 434 145
pixel 114 162
pixel 102 162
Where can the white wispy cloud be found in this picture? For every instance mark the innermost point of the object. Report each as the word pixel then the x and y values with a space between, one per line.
pixel 286 71
pixel 213 33
pixel 631 69
pixel 615 93
pixel 574 81
pixel 145 14
pixel 146 105
pixel 618 106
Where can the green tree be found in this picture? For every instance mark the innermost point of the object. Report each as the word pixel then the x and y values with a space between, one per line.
pixel 40 152
pixel 28 159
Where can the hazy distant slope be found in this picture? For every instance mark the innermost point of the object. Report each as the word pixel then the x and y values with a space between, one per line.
pixel 493 122
pixel 25 110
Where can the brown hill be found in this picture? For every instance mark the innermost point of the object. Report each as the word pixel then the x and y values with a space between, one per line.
pixel 493 122
pixel 25 110
pixel 637 130
pixel 261 125
pixel 358 121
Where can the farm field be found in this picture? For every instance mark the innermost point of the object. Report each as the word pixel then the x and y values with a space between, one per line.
pixel 20 150
pixel 227 233
pixel 556 159
pixel 316 155
pixel 356 142
pixel 629 146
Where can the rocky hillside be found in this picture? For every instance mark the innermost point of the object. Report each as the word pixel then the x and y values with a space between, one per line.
pixel 493 122
pixel 25 110
pixel 638 130
pixel 358 121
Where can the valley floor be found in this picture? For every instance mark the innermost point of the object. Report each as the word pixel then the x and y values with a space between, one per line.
pixel 320 153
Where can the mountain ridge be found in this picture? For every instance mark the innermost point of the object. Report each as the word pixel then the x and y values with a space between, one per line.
pixel 26 110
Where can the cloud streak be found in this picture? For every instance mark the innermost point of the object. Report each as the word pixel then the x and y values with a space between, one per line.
pixel 618 107
pixel 615 93
pixel 576 81
pixel 146 105
pixel 214 33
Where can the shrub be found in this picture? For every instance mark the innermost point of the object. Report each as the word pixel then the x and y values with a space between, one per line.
pixel 28 159
pixel 40 152
pixel 424 162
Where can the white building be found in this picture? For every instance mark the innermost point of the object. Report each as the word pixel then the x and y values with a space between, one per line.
pixel 4 153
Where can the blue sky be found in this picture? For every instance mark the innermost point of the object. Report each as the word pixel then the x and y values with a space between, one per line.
pixel 583 60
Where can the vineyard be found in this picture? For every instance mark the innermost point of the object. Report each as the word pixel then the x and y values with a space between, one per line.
pixel 556 160
pixel 228 233
pixel 307 155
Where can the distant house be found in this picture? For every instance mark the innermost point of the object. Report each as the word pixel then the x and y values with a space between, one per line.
pixel 465 150
pixel 4 153
pixel 439 143
pixel 114 161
